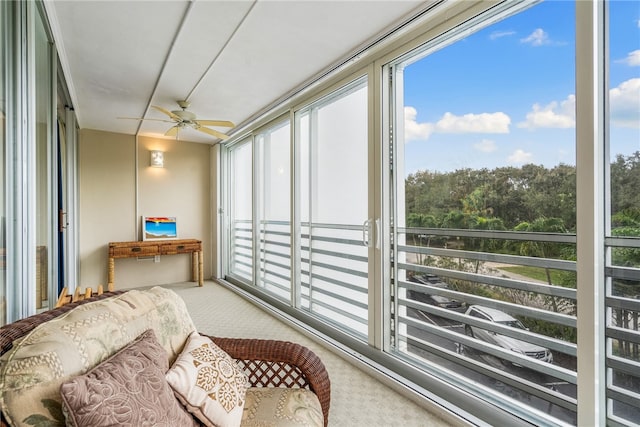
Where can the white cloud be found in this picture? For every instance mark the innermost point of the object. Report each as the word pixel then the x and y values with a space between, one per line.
pixel 499 34
pixel 486 146
pixel 624 112
pixel 625 104
pixel 414 130
pixel 553 115
pixel 450 123
pixel 624 109
pixel 538 38
pixel 632 59
pixel 474 123
pixel 519 157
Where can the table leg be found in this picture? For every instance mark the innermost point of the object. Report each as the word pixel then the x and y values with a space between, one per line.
pixel 200 269
pixel 112 273
pixel 194 267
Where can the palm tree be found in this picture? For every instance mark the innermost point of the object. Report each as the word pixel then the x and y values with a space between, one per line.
pixel 541 249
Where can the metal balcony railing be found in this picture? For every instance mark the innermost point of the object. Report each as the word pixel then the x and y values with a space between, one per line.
pixel 437 275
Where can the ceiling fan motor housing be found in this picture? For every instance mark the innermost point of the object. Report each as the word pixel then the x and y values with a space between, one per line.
pixel 185 115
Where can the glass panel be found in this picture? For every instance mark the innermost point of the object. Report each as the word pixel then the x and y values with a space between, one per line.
pixel 61 191
pixel 4 53
pixel 624 122
pixel 332 136
pixel 485 211
pixel 43 172
pixel 274 212
pixel 623 293
pixel 241 193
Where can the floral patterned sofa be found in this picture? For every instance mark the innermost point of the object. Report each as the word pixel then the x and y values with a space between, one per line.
pixel 59 367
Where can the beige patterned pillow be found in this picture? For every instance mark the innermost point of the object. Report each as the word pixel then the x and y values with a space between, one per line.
pixel 33 370
pixel 209 383
pixel 127 389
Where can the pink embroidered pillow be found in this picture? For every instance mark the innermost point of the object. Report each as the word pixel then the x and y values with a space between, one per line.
pixel 209 382
pixel 129 388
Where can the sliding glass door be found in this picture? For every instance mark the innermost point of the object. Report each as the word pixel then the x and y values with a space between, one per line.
pixel 304 235
pixel 240 216
pixel 622 228
pixel 4 54
pixel 273 148
pixel 485 207
pixel 46 217
pixel 332 196
pixel 28 226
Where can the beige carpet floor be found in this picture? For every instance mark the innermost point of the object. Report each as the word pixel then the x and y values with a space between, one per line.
pixel 357 399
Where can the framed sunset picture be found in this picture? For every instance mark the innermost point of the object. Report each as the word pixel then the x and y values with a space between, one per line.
pixel 159 227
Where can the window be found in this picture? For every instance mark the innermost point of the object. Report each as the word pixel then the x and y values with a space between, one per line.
pixel 43 170
pixel 438 216
pixel 476 313
pixel 485 189
pixel 4 54
pixel 274 211
pixel 333 200
pixel 27 229
pixel 331 231
pixel 623 227
pixel 241 212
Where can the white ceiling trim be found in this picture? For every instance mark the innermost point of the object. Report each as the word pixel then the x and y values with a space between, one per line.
pixel 215 59
pixel 176 36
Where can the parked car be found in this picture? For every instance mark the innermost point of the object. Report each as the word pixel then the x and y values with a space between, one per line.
pixel 437 300
pixel 513 344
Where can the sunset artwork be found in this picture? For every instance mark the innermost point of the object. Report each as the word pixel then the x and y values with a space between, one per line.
pixel 159 227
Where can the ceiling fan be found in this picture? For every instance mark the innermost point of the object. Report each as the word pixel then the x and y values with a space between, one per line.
pixel 185 118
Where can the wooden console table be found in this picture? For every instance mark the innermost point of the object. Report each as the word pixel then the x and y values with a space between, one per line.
pixel 150 248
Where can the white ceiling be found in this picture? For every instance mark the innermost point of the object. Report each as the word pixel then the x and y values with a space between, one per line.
pixel 230 59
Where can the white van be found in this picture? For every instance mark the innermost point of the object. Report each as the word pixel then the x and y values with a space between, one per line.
pixel 513 344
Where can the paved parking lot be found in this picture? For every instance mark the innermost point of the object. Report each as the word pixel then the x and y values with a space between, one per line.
pixel 486 359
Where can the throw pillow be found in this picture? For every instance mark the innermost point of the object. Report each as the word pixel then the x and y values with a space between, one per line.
pixel 127 389
pixel 69 345
pixel 209 382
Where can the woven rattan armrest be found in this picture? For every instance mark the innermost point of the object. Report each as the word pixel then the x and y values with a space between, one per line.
pixel 272 363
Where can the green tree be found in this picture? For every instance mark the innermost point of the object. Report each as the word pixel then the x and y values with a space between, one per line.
pixel 540 249
pixel 622 256
pixel 625 182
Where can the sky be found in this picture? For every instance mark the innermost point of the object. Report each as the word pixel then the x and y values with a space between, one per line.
pixel 505 95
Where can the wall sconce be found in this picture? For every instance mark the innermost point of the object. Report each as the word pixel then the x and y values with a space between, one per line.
pixel 157 159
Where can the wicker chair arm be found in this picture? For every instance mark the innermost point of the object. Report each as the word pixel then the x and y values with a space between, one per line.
pixel 272 363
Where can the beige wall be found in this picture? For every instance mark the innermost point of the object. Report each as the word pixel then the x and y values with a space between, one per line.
pixel 108 176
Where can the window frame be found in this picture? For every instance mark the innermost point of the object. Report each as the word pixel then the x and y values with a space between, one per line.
pixel 590 156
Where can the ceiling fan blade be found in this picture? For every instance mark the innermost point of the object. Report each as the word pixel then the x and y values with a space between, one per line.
pixel 224 123
pixel 173 131
pixel 167 112
pixel 212 132
pixel 140 118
